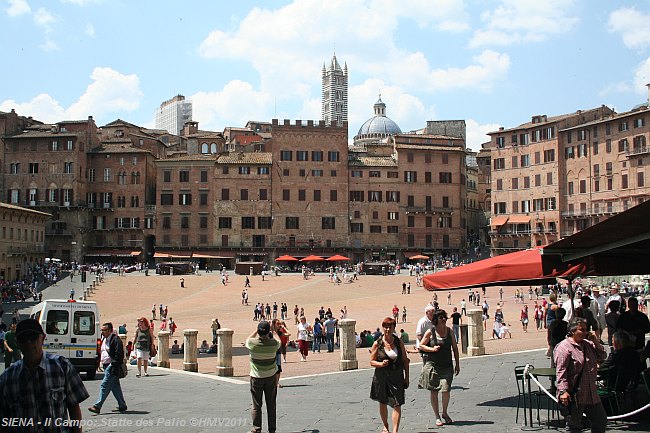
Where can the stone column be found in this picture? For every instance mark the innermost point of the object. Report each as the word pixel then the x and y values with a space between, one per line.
pixel 123 338
pixel 190 362
pixel 163 349
pixel 475 345
pixel 224 352
pixel 348 345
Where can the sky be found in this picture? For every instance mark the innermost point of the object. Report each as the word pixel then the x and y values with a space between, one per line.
pixel 491 63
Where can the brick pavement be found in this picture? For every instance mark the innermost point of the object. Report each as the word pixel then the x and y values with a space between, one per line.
pixel 483 400
pixel 368 300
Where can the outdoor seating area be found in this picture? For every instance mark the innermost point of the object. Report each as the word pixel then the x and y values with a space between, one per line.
pixel 619 396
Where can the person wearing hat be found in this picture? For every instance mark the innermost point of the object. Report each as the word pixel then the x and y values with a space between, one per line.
pixel 600 300
pixel 41 386
pixel 263 374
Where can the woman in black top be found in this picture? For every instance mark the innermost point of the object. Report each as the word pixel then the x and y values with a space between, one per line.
pixel 391 377
pixel 437 370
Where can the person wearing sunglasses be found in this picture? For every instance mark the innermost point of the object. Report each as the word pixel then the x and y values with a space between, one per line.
pixel 436 346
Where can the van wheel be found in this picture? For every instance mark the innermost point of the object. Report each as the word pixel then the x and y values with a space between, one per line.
pixel 90 374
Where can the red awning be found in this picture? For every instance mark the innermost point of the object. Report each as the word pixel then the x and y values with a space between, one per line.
pixel 518 268
pixel 419 257
pixel 173 254
pixel 312 258
pixel 112 253
pixel 338 258
pixel 498 220
pixel 519 219
pixel 286 258
pixel 208 256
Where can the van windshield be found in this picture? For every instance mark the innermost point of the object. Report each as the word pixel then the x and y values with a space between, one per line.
pixel 57 322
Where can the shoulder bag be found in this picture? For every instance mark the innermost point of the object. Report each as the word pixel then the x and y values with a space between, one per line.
pixel 152 348
pixel 122 371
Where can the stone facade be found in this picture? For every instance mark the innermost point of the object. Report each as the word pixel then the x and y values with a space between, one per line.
pixel 555 176
pixel 22 238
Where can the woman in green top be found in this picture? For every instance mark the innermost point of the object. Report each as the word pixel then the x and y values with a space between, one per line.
pixel 438 371
pixel 143 340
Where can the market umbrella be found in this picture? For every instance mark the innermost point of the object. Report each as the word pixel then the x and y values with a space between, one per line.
pixel 286 258
pixel 338 258
pixel 419 257
pixel 312 258
pixel 518 268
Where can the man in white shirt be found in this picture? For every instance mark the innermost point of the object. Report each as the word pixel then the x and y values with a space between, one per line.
pixel 567 307
pixel 424 324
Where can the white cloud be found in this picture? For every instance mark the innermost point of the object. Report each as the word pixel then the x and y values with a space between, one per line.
pixel 49 45
pixel 487 67
pixel 521 21
pixel 642 77
pixel 42 107
pixel 237 103
pixel 80 2
pixel 46 21
pixel 476 133
pixel 407 110
pixel 289 57
pixel 632 25
pixel 615 89
pixel 90 30
pixel 110 92
pixel 18 7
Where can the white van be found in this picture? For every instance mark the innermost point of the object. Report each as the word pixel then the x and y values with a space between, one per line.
pixel 72 330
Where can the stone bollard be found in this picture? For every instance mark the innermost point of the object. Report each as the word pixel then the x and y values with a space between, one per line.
pixel 190 362
pixel 123 338
pixel 348 345
pixel 475 345
pixel 224 352
pixel 163 349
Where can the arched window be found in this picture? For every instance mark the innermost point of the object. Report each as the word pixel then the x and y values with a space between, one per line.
pixel 204 148
pixel 121 178
pixel 213 148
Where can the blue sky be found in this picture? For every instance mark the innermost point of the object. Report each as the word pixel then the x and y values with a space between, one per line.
pixel 492 63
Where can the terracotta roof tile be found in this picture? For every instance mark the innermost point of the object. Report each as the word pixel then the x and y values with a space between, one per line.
pixel 372 161
pixel 245 158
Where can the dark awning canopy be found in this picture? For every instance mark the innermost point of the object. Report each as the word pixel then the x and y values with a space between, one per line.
pixel 620 245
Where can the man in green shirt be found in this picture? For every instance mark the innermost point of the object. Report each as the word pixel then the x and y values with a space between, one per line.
pixel 263 350
pixel 404 336
pixel 12 352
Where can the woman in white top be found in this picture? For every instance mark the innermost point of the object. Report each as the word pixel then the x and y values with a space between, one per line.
pixel 304 329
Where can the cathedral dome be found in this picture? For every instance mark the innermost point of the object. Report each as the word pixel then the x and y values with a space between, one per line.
pixel 379 125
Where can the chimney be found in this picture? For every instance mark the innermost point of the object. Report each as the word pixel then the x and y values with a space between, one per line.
pixel 648 86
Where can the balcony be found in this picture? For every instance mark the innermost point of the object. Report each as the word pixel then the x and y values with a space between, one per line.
pixel 638 150
pixel 606 210
pixel 428 210
pixel 150 209
pixel 57 232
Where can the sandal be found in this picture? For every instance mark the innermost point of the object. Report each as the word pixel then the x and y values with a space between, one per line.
pixel 447 419
pixel 439 422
